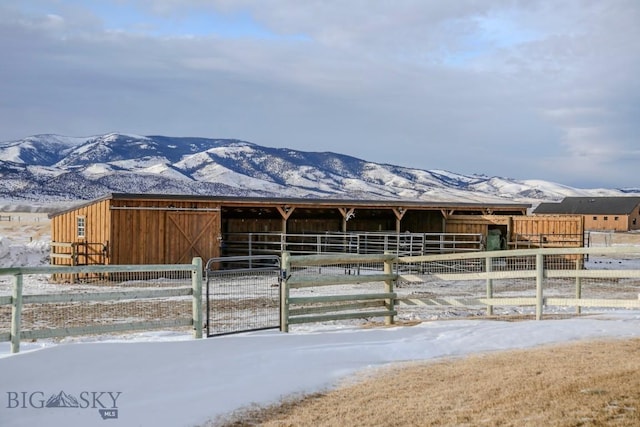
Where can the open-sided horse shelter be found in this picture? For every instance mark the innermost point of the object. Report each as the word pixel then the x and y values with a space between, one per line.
pixel 169 229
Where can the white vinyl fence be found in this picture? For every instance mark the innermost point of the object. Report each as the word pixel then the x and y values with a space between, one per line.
pixel 547 277
pixel 309 272
pixel 101 299
pixel 319 288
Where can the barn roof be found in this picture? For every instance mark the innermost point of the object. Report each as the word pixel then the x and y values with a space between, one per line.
pixel 590 206
pixel 325 202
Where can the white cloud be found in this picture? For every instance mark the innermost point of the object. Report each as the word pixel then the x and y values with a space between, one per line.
pixel 497 88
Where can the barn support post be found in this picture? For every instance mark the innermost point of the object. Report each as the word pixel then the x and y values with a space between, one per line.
pixel 284 293
pixel 285 212
pixel 347 214
pixel 16 313
pixel 488 268
pixel 196 285
pixel 539 283
pixel 399 213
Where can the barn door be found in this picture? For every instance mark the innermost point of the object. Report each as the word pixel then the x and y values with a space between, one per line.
pixel 192 234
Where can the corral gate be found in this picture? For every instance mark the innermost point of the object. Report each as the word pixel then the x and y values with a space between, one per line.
pixel 242 294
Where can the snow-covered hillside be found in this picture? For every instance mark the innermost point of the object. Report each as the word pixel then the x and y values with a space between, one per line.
pixel 53 168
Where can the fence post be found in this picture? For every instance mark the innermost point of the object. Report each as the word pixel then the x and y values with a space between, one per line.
pixel 388 287
pixel 16 313
pixel 196 285
pixel 488 268
pixel 539 283
pixel 578 284
pixel 284 293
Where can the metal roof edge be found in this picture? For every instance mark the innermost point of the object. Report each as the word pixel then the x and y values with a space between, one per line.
pixel 308 200
pixel 80 205
pixel 292 200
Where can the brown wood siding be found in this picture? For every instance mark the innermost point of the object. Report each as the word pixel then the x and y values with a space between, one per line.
pixel 314 226
pixel 371 220
pixel 608 222
pixel 141 229
pixel 421 222
pixel 367 225
pixel 464 228
pixel 192 234
pixel 556 224
pixel 252 225
pixel 475 223
pixel 91 247
pixel 310 222
pixel 137 236
pixel 164 231
pixel 634 220
pixel 549 230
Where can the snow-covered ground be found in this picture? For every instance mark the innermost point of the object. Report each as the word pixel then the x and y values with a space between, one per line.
pixel 169 379
pixel 24 239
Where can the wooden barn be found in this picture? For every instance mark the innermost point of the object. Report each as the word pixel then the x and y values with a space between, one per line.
pixel 172 229
pixel 599 213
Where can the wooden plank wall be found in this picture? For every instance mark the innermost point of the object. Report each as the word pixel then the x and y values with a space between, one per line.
pixel 420 221
pixel 475 223
pixel 548 231
pixel 97 226
pixel 548 225
pixel 164 232
pixel 192 234
pixel 561 230
pixel 634 220
pixel 611 223
pixel 314 226
pixel 252 225
pixel 154 231
pixel 138 237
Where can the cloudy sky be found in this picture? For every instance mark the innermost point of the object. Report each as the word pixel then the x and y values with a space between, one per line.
pixel 521 89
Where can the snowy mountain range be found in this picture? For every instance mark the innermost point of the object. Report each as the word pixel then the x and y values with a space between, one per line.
pixel 53 168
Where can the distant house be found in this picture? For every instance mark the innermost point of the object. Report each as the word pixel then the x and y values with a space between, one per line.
pixel 600 213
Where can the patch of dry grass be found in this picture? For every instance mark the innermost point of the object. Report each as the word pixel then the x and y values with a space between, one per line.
pixel 25 227
pixel 580 384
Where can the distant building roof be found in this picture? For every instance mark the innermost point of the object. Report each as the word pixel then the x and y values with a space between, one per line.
pixel 590 206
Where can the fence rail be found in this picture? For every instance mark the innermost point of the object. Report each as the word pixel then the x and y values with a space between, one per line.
pixel 324 270
pixel 543 265
pixel 349 243
pixel 18 301
pixel 540 267
pixel 328 287
pixel 544 240
pixel 78 253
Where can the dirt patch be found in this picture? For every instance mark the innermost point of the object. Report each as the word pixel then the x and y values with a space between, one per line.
pixel 580 384
pixel 23 227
